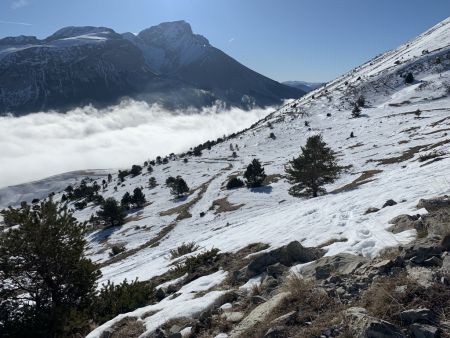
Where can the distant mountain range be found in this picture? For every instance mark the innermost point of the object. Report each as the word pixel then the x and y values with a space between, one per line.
pixel 304 86
pixel 167 64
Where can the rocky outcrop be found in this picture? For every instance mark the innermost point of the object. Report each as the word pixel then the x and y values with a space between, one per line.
pixel 434 204
pixel 288 255
pixel 364 326
pixel 258 315
pixel 341 264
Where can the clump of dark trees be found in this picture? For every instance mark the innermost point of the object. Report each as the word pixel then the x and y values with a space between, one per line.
pixel 48 286
pixel 178 186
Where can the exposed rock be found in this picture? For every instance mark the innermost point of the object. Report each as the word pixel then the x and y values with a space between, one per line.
pixel 421 250
pixel 389 203
pixel 446 263
pixel 421 275
pixel 423 331
pixel 433 261
pixel 286 319
pixel 233 316
pixel 405 222
pixel 421 315
pixel 445 243
pixel 384 266
pixel 258 315
pixel 365 326
pixel 258 299
pixel 160 294
pixel 175 335
pixel 276 332
pixel 434 204
pixel 288 255
pixel 341 264
pixel 175 329
pixel 158 333
pixel 371 210
pixel 276 270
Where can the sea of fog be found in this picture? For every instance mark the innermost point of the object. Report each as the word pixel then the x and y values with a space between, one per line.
pixel 42 144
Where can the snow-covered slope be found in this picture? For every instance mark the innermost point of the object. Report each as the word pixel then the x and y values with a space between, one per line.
pixel 400 123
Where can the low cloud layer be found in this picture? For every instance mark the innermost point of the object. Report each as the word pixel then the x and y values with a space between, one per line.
pixel 43 144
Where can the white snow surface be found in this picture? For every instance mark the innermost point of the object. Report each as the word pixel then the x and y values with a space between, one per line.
pixel 389 139
pixel 186 304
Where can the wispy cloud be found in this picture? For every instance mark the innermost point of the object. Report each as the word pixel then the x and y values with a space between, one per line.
pixel 16 4
pixel 15 23
pixel 231 40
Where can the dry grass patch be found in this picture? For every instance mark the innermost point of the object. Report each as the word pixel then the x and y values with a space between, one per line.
pixel 183 209
pixel 362 179
pixel 407 155
pixel 274 178
pixel 183 249
pixel 391 295
pixel 127 327
pixel 223 205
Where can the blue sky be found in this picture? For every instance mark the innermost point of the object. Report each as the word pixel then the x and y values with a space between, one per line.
pixel 313 40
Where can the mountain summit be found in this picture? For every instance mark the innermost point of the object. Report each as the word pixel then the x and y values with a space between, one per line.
pixel 167 64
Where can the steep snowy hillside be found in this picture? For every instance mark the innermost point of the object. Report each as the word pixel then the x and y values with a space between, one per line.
pixel 400 152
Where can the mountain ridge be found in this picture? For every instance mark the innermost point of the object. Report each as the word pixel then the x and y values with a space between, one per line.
pixel 95 65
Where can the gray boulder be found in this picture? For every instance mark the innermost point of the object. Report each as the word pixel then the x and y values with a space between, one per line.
pixel 288 255
pixel 423 331
pixel 434 204
pixel 365 326
pixel 421 250
pixel 340 264
pixel 405 222
pixel 371 210
pixel 389 203
pixel 421 315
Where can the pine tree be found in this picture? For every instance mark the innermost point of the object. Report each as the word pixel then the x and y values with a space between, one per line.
pixel 111 212
pixel 409 78
pixel 356 112
pixel 126 201
pixel 151 182
pixel 179 188
pixel 314 167
pixel 254 175
pixel 138 198
pixel 43 261
pixel 135 170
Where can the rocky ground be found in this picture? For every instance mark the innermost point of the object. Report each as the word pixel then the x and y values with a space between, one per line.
pixel 294 291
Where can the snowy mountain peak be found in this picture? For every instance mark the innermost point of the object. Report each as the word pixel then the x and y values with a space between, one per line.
pixel 73 31
pixel 170 45
pixel 171 34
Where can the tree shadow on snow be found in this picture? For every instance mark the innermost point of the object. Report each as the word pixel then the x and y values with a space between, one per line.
pixel 262 190
pixel 103 234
